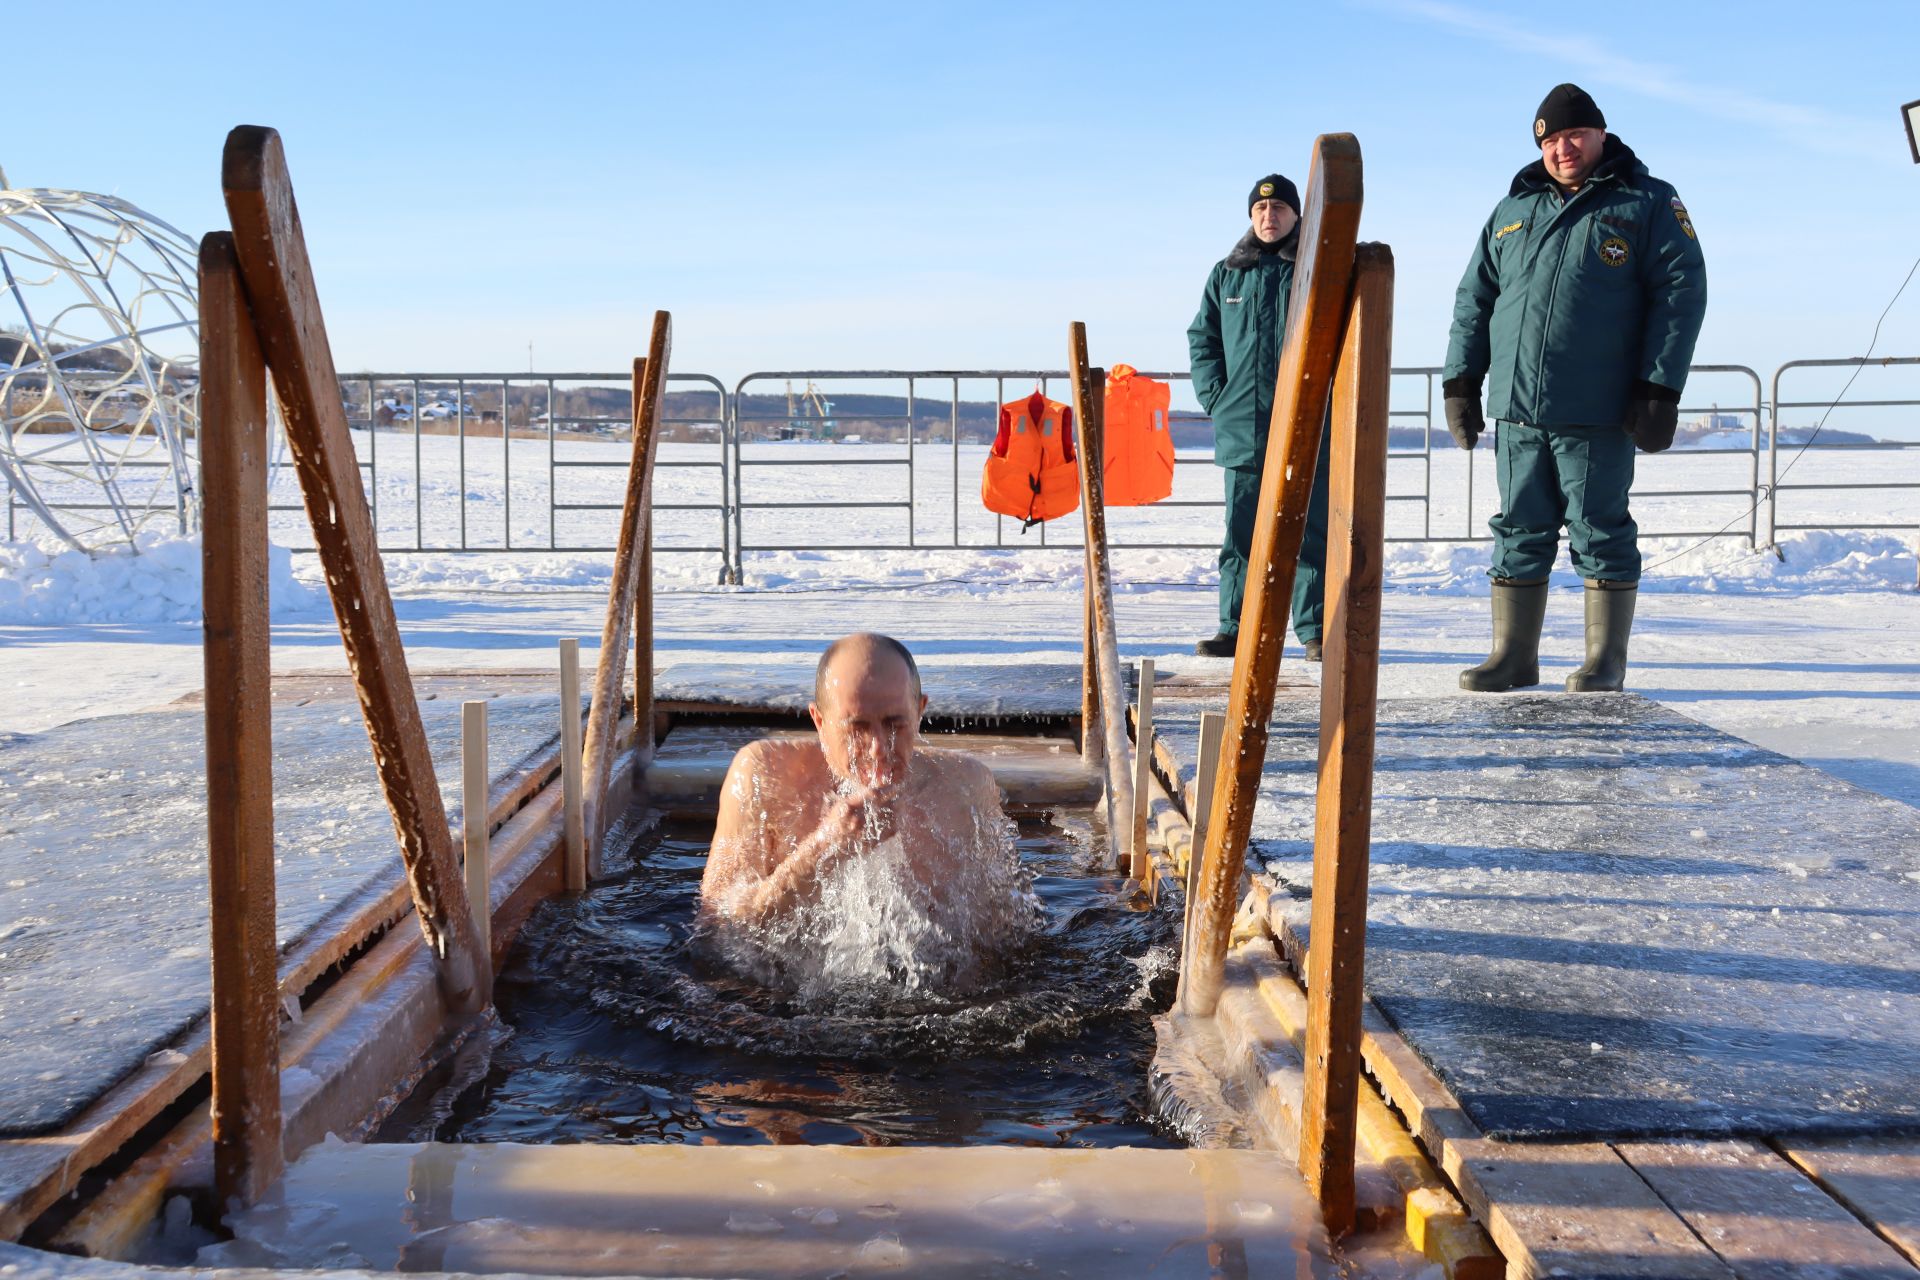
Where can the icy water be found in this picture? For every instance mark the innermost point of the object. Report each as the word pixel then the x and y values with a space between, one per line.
pixel 618 1028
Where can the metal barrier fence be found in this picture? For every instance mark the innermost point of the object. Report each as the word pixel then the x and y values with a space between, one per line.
pixel 517 462
pixel 1775 486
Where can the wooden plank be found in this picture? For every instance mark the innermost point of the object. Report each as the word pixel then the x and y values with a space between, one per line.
pixel 1343 809
pixel 1092 737
pixel 525 869
pixel 1142 772
pixel 1437 1224
pixel 1089 432
pixel 1315 318
pixel 239 710
pixel 572 766
pixel 474 824
pixel 629 558
pixel 1877 1178
pixel 36 1172
pixel 286 313
pixel 1762 1216
pixel 1575 1206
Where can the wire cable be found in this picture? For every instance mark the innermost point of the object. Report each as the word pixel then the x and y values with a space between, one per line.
pixel 1806 444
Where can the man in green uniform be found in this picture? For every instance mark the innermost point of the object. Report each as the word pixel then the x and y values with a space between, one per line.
pixel 1579 310
pixel 1235 345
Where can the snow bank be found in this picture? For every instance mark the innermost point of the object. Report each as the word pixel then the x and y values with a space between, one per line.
pixel 1808 562
pixel 156 580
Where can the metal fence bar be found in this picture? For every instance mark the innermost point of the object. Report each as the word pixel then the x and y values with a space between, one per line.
pixel 752 483
pixel 1771 496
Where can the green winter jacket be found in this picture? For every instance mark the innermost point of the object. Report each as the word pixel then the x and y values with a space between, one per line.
pixel 1235 346
pixel 1569 301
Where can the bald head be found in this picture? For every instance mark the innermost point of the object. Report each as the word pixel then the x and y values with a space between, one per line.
pixel 867 705
pixel 860 656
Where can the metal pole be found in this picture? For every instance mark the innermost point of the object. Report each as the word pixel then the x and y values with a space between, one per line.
pixel 460 390
pixel 419 501
pixel 955 424
pixel 910 498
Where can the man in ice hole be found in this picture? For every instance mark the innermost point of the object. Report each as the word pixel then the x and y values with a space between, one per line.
pixel 794 809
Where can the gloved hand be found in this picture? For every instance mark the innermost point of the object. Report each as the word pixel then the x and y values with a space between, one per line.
pixel 1462 404
pixel 1653 414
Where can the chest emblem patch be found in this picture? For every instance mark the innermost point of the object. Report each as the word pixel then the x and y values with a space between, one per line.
pixel 1613 251
pixel 1509 229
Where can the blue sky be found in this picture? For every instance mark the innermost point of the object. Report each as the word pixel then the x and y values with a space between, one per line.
pixel 947 185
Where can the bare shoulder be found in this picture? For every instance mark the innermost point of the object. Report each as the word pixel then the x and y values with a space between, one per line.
pixel 777 762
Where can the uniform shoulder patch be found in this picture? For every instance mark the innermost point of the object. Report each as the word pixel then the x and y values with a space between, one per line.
pixel 1510 227
pixel 1613 251
pixel 1681 216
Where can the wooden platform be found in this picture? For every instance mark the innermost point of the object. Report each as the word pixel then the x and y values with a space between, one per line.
pixel 1773 1205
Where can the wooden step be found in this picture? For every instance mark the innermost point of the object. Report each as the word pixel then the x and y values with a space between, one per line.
pixel 786 1211
pixel 1033 772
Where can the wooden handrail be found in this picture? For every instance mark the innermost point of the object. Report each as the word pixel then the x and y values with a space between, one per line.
pixel 1349 685
pixel 247 1154
pixel 1089 430
pixel 1322 277
pixel 292 331
pixel 632 587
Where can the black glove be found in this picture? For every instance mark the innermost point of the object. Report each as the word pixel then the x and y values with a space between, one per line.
pixel 1653 413
pixel 1462 404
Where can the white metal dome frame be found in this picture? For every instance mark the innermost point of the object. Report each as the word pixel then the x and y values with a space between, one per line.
pixel 99 367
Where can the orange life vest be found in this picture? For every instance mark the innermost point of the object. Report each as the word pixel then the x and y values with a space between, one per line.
pixel 1137 439
pixel 1030 471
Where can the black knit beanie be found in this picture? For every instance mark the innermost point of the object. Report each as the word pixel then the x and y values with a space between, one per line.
pixel 1566 106
pixel 1273 187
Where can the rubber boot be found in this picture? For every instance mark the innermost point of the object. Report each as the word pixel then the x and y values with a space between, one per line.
pixel 1518 610
pixel 1609 620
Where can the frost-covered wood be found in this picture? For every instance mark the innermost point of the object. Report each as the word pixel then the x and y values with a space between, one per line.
pixel 1356 527
pixel 630 605
pixel 293 336
pixel 1329 225
pixel 1088 399
pixel 238 658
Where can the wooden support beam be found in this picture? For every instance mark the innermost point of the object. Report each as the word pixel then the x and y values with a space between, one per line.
pixel 474 780
pixel 1213 726
pixel 572 767
pixel 1089 430
pixel 1316 315
pixel 1349 683
pixel 1092 737
pixel 237 653
pixel 1141 866
pixel 630 563
pixel 287 318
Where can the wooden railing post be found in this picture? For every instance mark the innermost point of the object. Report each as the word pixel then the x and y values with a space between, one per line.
pixel 573 818
pixel 1322 276
pixel 1349 682
pixel 1142 774
pixel 287 319
pixel 631 560
pixel 247 1153
pixel 1089 428
pixel 476 780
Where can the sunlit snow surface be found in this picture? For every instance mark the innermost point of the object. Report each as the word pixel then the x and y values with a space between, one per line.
pixel 1596 917
pixel 103 920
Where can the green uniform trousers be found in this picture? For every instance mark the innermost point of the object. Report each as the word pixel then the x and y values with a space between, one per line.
pixel 1572 476
pixel 1309 580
